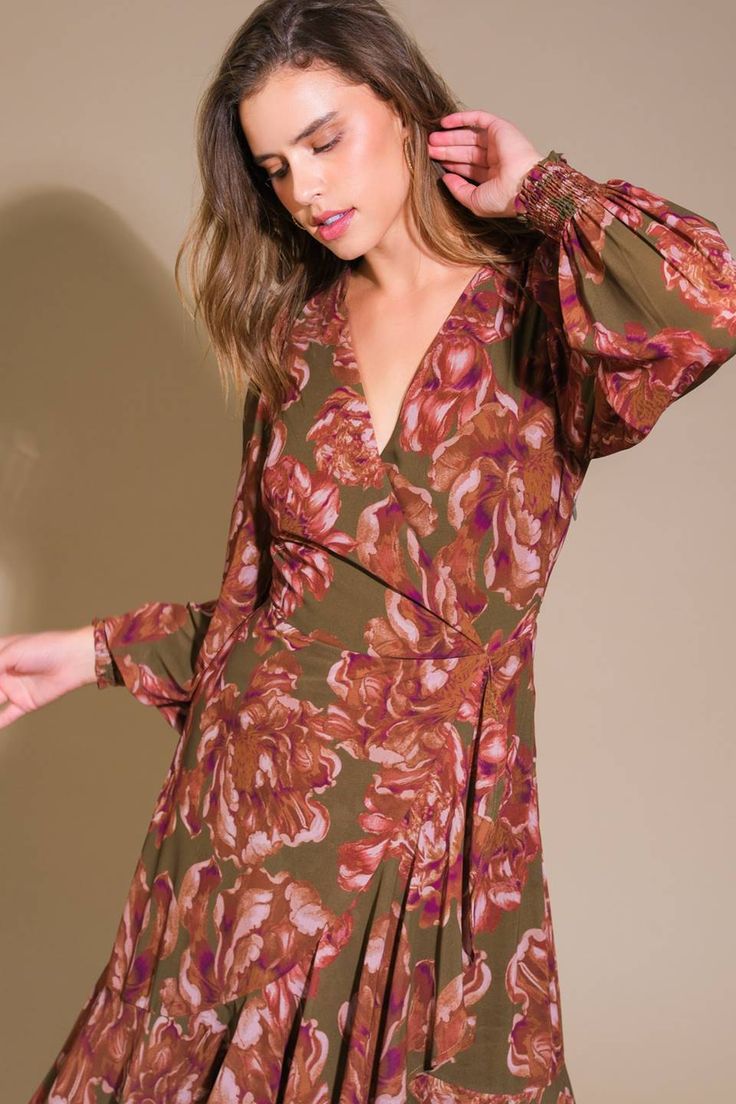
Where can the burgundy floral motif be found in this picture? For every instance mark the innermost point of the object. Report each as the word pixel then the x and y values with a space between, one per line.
pixel 154 932
pixel 263 758
pixel 535 1049
pixel 499 473
pixel 247 556
pixel 120 974
pixel 153 621
pixel 698 274
pixel 253 1070
pixel 424 773
pixel 95 1050
pixel 505 845
pixel 386 534
pixel 299 372
pixel 441 1017
pixel 455 384
pixel 170 1062
pixel 488 309
pixel 410 628
pixel 431 1090
pixel 356 1019
pixel 164 815
pixel 264 924
pixel 302 502
pixel 126 638
pixel 341 432
pixel 319 322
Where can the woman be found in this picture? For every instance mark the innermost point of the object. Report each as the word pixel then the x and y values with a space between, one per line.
pixel 341 894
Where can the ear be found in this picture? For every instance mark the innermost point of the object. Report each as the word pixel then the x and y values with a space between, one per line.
pixel 400 125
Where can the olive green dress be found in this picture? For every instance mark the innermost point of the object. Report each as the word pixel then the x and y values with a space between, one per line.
pixel 341 898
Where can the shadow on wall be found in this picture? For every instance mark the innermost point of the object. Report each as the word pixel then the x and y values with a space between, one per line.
pixel 116 484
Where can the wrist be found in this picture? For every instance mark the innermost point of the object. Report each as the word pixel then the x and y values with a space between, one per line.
pixel 82 655
pixel 551 192
pixel 520 174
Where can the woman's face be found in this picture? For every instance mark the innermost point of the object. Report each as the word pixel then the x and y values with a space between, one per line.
pixel 352 161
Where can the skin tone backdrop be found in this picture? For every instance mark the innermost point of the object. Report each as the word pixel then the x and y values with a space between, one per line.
pixel 635 732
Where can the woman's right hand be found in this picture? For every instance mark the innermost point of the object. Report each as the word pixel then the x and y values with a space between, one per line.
pixel 36 668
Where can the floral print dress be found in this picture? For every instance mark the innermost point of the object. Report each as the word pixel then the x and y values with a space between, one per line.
pixel 341 897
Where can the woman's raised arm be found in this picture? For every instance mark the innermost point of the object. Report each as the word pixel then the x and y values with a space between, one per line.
pixel 637 302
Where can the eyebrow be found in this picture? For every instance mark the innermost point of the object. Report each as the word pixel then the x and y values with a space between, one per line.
pixel 309 129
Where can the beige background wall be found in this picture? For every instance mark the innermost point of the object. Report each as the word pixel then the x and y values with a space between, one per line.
pixel 118 461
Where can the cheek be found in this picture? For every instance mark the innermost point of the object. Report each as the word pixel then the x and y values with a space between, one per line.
pixel 379 172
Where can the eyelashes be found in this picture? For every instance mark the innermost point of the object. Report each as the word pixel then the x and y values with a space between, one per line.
pixel 317 149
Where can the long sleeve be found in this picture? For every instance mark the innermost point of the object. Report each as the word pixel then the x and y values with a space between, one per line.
pixel 636 298
pixel 158 649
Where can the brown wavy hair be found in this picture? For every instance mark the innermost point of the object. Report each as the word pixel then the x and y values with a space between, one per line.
pixel 250 267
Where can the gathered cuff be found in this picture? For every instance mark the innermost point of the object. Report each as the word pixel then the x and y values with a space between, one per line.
pixel 552 192
pixel 105 670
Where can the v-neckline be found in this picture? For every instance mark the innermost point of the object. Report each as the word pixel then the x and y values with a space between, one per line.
pixel 348 350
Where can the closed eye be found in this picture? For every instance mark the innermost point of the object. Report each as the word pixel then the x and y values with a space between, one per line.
pixel 317 149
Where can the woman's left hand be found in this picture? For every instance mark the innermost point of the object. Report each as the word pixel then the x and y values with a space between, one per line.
pixel 489 150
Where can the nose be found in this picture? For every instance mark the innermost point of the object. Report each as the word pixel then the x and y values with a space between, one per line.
pixel 307 183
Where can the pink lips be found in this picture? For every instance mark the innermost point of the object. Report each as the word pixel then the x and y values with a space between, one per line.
pixel 333 229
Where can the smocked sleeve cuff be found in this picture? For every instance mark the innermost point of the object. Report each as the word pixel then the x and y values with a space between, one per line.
pixel 551 193
pixel 105 670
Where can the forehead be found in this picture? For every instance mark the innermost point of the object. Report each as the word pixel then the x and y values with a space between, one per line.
pixel 292 99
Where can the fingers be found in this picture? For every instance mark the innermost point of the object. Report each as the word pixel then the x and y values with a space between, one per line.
pixel 457 152
pixel 472 118
pixel 8 639
pixel 458 137
pixel 470 172
pixel 462 148
pixel 464 160
pixel 462 189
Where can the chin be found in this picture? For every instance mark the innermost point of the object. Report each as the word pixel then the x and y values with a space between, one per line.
pixel 347 252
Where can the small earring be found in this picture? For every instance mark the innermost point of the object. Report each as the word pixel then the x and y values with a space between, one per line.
pixel 407 155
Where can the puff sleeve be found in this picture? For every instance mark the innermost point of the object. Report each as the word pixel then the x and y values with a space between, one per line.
pixel 636 297
pixel 159 649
